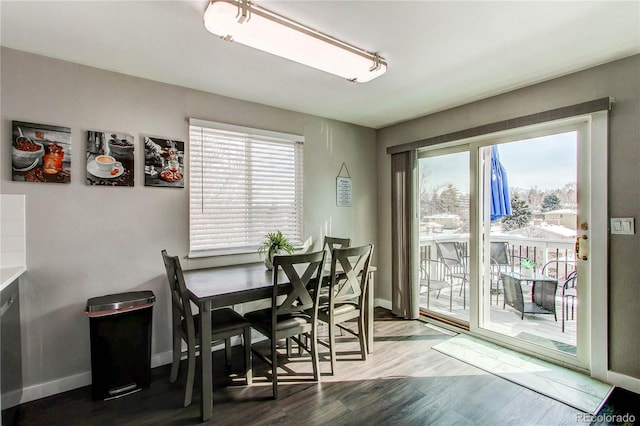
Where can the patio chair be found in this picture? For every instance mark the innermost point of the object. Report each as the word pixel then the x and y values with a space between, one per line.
pixel 569 291
pixel 543 299
pixel 431 271
pixel 558 268
pixel 500 260
pixel 455 268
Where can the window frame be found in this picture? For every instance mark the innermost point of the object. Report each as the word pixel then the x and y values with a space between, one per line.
pixel 252 135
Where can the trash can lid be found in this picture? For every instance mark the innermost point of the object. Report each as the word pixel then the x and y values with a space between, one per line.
pixel 115 302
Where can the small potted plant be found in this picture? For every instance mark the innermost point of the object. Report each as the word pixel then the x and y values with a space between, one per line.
pixel 273 244
pixel 526 267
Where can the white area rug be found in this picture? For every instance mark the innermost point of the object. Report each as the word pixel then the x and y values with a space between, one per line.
pixel 567 386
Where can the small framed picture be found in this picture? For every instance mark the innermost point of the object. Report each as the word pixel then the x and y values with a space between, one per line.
pixel 110 158
pixel 344 191
pixel 40 153
pixel 163 162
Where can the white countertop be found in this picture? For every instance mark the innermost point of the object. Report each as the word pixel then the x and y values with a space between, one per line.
pixel 10 274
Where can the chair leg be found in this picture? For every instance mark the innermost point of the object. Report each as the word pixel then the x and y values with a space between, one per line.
pixel 563 314
pixel 274 366
pixel 177 352
pixel 248 366
pixel 314 353
pixel 289 349
pixel 573 301
pixel 332 347
pixel 362 336
pixel 227 354
pixel 191 374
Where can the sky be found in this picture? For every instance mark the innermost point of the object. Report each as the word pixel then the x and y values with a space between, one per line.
pixel 547 162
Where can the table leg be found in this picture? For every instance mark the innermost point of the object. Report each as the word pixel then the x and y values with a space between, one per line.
pixel 368 316
pixel 206 402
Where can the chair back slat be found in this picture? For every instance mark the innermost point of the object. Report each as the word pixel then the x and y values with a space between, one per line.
pixel 349 273
pixel 561 269
pixel 330 243
pixel 571 281
pixel 181 308
pixel 499 253
pixel 303 290
pixel 449 253
pixel 513 292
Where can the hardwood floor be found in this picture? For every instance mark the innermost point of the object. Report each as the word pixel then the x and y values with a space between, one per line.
pixel 403 382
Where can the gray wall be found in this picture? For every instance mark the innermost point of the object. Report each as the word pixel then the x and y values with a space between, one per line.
pixel 620 79
pixel 85 241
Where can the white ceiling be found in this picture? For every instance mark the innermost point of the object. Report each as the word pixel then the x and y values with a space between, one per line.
pixel 440 54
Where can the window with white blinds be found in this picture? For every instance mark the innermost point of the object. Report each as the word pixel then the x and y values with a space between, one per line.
pixel 243 183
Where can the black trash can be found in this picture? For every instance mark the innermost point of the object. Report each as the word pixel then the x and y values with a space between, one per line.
pixel 120 326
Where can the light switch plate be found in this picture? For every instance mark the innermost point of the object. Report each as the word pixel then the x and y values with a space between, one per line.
pixel 623 225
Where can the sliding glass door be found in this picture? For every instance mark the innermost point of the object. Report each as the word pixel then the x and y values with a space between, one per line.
pixel 528 276
pixel 504 224
pixel 443 212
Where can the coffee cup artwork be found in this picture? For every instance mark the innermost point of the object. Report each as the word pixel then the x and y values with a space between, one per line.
pixel 107 165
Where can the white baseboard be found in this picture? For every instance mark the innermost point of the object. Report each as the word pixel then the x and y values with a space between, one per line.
pixel 43 390
pixel 626 382
pixel 162 358
pixel 382 303
pixel 11 399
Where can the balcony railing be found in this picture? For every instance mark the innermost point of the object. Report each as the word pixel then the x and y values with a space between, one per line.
pixel 553 257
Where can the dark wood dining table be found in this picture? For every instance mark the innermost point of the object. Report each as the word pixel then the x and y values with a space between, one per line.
pixel 211 288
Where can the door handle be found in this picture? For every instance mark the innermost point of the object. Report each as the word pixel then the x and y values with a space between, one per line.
pixel 582 248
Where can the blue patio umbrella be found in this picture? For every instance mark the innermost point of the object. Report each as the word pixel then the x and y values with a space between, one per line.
pixel 500 198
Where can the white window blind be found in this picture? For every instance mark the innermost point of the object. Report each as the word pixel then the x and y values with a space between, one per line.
pixel 243 183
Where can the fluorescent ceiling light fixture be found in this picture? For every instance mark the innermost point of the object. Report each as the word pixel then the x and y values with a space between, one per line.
pixel 257 27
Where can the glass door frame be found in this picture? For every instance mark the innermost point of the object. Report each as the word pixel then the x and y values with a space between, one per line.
pixel 592 355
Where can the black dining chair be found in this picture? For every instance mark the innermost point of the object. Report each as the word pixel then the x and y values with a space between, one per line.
pixel 329 243
pixel 348 281
pixel 294 308
pixel 225 323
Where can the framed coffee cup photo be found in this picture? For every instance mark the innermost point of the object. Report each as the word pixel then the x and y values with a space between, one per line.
pixel 110 158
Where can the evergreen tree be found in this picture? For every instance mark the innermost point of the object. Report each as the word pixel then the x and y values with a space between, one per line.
pixel 449 200
pixel 550 202
pixel 520 215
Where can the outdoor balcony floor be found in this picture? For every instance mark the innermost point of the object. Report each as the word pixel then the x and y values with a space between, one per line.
pixel 539 329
